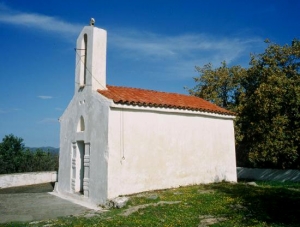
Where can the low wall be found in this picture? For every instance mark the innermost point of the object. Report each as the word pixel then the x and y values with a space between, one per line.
pixel 268 174
pixel 21 179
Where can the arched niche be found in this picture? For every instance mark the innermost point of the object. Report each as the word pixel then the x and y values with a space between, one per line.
pixel 81 124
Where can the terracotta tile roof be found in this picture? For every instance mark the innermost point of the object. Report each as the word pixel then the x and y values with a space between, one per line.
pixel 141 97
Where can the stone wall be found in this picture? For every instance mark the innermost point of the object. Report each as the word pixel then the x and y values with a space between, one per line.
pixel 21 179
pixel 268 174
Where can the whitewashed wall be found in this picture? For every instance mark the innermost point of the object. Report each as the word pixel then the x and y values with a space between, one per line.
pixel 94 110
pixel 90 75
pixel 21 179
pixel 155 150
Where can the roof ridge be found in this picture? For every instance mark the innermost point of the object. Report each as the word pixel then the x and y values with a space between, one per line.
pixel 144 89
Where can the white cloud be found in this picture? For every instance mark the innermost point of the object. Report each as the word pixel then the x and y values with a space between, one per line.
pixel 48 121
pixel 8 110
pixel 177 55
pixel 156 45
pixel 37 21
pixel 45 97
pixel 170 56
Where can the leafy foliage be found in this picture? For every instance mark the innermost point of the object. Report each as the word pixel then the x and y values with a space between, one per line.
pixel 14 158
pixel 266 98
pixel 270 112
pixel 221 86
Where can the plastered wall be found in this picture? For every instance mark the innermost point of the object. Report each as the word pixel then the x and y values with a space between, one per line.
pixel 154 150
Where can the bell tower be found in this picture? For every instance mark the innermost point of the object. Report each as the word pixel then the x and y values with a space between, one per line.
pixel 90 71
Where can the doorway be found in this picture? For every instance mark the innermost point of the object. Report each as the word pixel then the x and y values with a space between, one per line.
pixel 80 166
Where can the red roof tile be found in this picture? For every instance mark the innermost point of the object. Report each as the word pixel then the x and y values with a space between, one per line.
pixel 141 97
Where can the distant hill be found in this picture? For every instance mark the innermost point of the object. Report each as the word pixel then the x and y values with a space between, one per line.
pixel 52 150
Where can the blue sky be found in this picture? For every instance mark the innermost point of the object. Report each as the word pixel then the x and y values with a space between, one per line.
pixel 152 44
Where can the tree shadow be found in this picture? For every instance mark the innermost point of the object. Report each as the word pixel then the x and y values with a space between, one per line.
pixel 279 206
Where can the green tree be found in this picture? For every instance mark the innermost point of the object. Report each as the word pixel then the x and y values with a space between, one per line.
pixel 221 86
pixel 11 150
pixel 270 111
pixel 266 98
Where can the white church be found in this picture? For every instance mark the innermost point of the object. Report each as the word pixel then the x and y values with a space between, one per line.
pixel 120 140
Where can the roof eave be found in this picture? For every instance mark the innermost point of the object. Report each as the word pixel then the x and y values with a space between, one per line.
pixel 173 110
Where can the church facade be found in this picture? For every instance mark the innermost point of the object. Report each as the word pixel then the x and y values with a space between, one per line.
pixel 118 140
